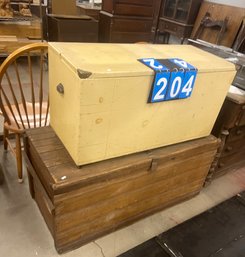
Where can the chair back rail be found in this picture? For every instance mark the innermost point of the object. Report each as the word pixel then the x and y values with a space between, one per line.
pixel 23 102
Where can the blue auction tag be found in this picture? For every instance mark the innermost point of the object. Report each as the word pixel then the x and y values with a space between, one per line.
pixel 161 79
pixel 174 79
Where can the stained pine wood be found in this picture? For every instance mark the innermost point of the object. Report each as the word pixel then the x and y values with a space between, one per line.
pixel 81 204
pixel 77 198
pixel 27 29
pixel 8 44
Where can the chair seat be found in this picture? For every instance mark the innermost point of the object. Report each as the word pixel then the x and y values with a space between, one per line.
pixel 27 121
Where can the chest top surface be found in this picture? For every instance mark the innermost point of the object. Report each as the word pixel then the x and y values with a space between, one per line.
pixel 65 175
pixel 114 60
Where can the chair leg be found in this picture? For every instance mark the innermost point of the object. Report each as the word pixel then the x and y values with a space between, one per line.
pixel 19 157
pixel 5 136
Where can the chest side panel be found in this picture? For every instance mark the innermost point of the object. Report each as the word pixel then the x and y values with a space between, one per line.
pixel 116 119
pixel 101 207
pixel 64 107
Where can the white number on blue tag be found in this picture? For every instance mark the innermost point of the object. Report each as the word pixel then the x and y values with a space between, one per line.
pixel 181 63
pixel 175 85
pixel 160 87
pixel 189 79
pixel 188 84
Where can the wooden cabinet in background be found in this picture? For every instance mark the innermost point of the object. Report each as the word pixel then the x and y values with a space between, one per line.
pixel 69 28
pixel 230 127
pixel 128 21
pixel 122 29
pixel 177 17
pixel 230 123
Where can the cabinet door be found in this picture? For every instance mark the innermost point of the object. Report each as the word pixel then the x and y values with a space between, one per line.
pixel 182 10
pixel 169 8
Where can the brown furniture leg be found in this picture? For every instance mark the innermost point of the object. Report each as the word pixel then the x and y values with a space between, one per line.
pixel 19 157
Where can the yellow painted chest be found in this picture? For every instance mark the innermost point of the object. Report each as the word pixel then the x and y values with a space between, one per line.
pixel 99 93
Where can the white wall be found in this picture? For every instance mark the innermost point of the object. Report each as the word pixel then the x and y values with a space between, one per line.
pixel 237 3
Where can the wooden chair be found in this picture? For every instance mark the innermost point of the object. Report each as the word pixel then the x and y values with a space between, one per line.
pixel 24 94
pixel 209 23
pixel 239 43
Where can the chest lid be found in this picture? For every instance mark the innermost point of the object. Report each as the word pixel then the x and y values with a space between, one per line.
pixel 121 60
pixel 59 174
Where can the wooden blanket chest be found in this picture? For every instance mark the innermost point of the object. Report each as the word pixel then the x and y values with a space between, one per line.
pixel 81 204
pixel 99 97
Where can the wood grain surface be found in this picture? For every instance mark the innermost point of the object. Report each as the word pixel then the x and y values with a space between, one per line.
pixel 81 204
pixel 220 12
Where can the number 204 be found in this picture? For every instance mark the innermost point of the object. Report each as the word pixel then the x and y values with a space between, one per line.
pixel 178 85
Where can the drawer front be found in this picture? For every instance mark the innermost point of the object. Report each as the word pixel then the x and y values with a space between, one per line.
pixel 233 147
pixel 168 27
pixel 129 25
pixel 130 31
pixel 236 134
pixel 129 37
pixel 176 29
pixel 137 10
pixel 129 7
pixel 123 29
pixel 229 161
